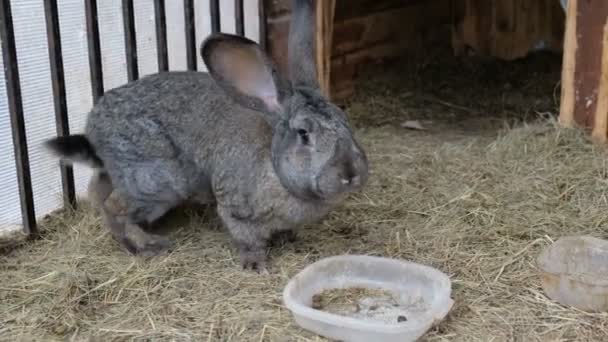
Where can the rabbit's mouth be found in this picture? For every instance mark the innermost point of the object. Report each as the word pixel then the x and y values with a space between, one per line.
pixel 335 189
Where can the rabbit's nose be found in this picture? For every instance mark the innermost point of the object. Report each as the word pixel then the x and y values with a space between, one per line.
pixel 353 181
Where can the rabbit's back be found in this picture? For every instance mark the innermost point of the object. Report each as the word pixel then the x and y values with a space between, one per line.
pixel 162 137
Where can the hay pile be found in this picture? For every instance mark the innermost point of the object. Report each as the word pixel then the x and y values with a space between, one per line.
pixel 477 206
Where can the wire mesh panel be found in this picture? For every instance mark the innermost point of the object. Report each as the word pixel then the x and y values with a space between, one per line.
pixel 58 57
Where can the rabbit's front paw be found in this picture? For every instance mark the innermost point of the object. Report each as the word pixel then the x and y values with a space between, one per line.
pixel 255 260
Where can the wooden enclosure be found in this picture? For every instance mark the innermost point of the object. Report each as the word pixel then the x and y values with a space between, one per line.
pixel 356 32
pixel 353 33
pixel 585 68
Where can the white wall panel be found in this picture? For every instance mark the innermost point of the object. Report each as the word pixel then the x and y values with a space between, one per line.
pixel 10 213
pixel 176 35
pixel 112 43
pixel 252 21
pixel 72 25
pixel 37 95
pixel 227 19
pixel 145 28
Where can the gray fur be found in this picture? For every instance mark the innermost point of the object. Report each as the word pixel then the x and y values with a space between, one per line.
pixel 213 138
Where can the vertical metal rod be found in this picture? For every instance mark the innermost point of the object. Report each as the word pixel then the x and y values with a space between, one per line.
pixel 239 17
pixel 190 34
pixel 15 106
pixel 214 9
pixel 94 48
pixel 59 95
pixel 161 35
pixel 262 23
pixel 128 16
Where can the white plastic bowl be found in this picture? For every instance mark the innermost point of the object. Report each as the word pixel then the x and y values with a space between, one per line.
pixel 412 283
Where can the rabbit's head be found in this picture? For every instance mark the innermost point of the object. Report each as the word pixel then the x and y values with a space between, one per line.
pixel 313 150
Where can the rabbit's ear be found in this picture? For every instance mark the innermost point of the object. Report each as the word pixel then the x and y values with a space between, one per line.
pixel 301 45
pixel 242 69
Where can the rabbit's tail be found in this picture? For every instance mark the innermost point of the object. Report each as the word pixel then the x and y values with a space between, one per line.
pixel 75 148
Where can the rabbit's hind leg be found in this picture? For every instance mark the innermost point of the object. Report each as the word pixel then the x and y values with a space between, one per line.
pixel 125 223
pixel 115 211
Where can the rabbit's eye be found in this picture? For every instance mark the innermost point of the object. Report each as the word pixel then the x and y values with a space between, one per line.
pixel 304 136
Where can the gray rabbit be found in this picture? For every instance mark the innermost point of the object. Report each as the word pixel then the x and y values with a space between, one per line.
pixel 272 154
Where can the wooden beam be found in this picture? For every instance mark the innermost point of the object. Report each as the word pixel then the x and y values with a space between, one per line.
pixel 584 100
pixel 600 125
pixel 566 114
pixel 324 24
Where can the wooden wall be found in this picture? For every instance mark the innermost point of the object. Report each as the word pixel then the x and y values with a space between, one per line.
pixel 372 31
pixel 365 31
pixel 507 29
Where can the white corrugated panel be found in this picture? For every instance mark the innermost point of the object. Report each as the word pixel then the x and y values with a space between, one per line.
pixel 227 19
pixel 37 95
pixel 112 43
pixel 176 35
pixel 145 27
pixel 10 210
pixel 252 21
pixel 32 53
pixel 72 24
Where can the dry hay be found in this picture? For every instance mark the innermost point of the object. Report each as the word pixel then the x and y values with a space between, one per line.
pixel 478 208
pixel 472 94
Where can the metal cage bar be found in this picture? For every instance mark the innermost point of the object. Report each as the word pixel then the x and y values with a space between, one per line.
pixel 262 25
pixel 59 95
pixel 214 10
pixel 239 17
pixel 161 35
pixel 128 16
pixel 94 49
pixel 15 106
pixel 190 34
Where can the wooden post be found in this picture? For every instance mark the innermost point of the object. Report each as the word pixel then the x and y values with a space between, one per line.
pixel 566 114
pixel 584 99
pixel 600 125
pixel 324 24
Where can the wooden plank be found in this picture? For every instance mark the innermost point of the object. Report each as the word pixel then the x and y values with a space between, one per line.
pixel 325 11
pixel 355 8
pixel 584 101
pixel 566 114
pixel 591 16
pixel 378 36
pixel 600 127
